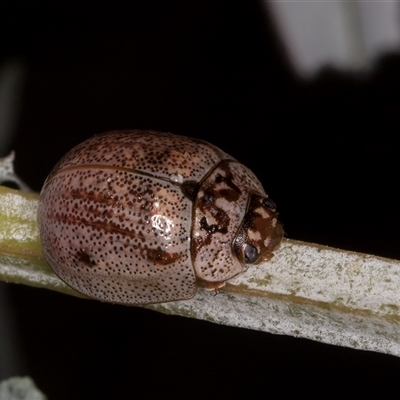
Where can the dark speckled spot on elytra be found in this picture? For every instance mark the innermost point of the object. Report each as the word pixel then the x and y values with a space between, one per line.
pixel 162 257
pixel 163 155
pixel 84 257
pixel 97 198
pixel 102 226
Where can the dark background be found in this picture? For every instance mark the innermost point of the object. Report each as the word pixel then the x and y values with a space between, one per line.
pixel 325 150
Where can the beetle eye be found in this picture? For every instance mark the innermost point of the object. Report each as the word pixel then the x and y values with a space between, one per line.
pixel 269 203
pixel 250 253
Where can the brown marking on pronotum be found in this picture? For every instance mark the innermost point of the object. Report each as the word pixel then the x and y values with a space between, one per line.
pixel 221 227
pixel 234 193
pixel 211 229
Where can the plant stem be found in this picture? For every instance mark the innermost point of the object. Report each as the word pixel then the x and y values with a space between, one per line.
pixel 306 290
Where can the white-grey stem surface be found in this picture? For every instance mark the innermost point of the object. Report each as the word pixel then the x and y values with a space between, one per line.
pixel 310 291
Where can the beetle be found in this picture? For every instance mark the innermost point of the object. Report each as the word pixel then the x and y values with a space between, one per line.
pixel 141 217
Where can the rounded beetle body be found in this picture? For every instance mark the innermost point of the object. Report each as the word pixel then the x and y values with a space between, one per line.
pixel 140 217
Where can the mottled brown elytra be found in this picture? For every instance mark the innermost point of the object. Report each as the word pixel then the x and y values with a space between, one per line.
pixel 139 217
